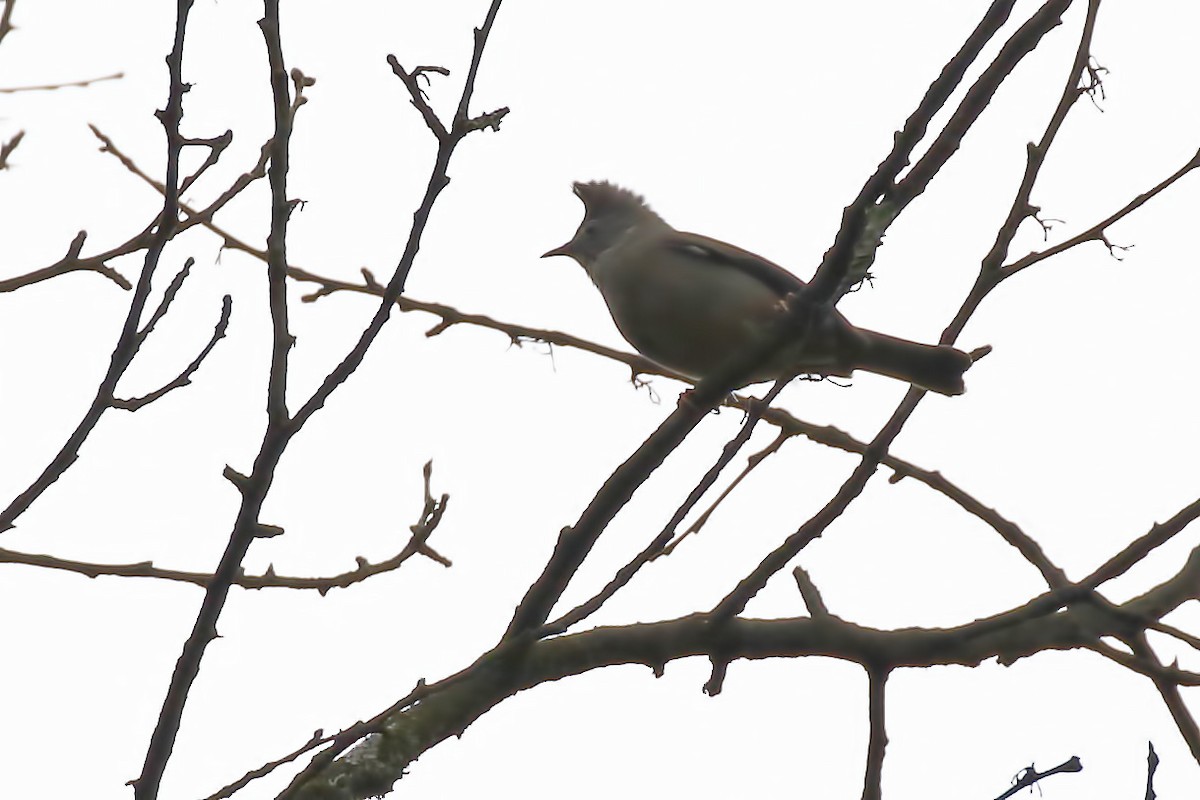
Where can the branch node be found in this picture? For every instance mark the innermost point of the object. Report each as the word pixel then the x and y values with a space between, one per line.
pixel 241 482
pixel 7 148
pixel 264 531
pixel 810 594
pixel 491 119
pixel 76 246
pixel 713 686
pixel 370 282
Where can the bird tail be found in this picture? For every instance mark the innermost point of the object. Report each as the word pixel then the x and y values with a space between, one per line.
pixel 938 368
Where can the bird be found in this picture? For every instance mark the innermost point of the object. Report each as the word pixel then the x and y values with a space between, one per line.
pixel 689 303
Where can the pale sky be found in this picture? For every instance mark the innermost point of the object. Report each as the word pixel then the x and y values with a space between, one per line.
pixel 757 127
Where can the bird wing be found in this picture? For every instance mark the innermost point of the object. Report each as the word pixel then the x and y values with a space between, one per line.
pixel 771 275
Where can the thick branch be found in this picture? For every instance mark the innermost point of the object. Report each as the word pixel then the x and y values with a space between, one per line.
pixel 447 708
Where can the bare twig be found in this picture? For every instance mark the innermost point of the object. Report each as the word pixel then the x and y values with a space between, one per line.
pixel 1151 606
pixel 431 517
pixel 809 593
pixel 6 25
pixel 1019 45
pixel 197 216
pixel 626 573
pixel 1171 630
pixel 363 570
pixel 49 87
pixel 168 297
pixel 7 148
pixel 417 95
pixel 1159 534
pixel 877 741
pixel 731 449
pixel 736 600
pixel 318 738
pixel 146 786
pixel 1151 768
pixel 1029 776
pixel 1012 533
pixel 128 341
pixel 751 464
pixel 254 488
pixel 418 544
pixel 1168 688
pixel 183 378
pixel 1149 667
pixel 991 272
pixel 73 263
pixel 395 286
pixel 216 146
pixel 1096 233
pixel 281 426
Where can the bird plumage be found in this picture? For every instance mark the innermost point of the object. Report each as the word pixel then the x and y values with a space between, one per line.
pixel 689 302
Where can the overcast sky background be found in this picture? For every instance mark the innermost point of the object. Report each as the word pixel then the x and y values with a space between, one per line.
pixel 756 126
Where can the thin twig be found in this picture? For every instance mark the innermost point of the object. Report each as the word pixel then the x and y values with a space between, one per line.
pixel 73 263
pixel 1096 233
pixel 990 270
pixel 418 544
pixel 751 464
pixel 7 148
pixel 1151 768
pixel 282 426
pixel 253 489
pixel 810 594
pixel 1029 776
pixel 318 738
pixel 1171 630
pixel 656 547
pixel 363 570
pixel 1019 45
pixel 128 341
pixel 146 786
pixel 731 449
pixel 417 95
pixel 736 600
pixel 395 287
pixel 49 87
pixel 183 378
pixel 877 741
pixel 6 25
pixel 1149 667
pixel 1168 689
pixel 216 146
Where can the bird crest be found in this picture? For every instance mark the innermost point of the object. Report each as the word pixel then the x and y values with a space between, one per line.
pixel 601 198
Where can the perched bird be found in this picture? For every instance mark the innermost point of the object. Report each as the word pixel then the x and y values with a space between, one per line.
pixel 689 303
